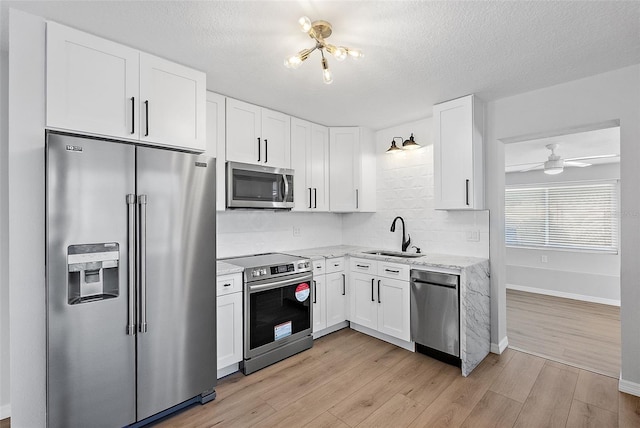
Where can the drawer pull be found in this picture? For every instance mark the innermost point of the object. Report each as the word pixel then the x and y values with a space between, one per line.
pixel 363 266
pixel 392 271
pixel 227 285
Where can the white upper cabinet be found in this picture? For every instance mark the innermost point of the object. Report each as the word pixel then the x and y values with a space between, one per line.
pixel 92 84
pixel 99 87
pixel 215 143
pixel 276 136
pixel 173 101
pixel 310 161
pixel 258 135
pixel 458 154
pixel 352 170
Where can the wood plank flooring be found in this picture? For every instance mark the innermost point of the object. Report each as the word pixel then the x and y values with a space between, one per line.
pixel 349 379
pixel 582 334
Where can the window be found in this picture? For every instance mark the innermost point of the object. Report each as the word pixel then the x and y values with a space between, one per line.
pixel 563 216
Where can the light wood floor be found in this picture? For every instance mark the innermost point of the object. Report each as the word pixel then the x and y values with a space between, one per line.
pixel 582 334
pixel 349 379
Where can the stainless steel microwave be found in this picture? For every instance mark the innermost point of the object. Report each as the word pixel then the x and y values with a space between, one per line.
pixel 257 186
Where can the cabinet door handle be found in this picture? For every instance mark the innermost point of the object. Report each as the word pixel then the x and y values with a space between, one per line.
pixel 372 299
pixel 344 284
pixel 146 113
pixel 309 197
pixel 357 201
pixel 133 114
pixel 258 149
pixel 314 292
pixel 315 198
pixel 266 150
pixel 392 271
pixel 467 191
pixel 379 292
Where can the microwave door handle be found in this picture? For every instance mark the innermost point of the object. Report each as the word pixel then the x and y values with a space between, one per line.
pixel 286 188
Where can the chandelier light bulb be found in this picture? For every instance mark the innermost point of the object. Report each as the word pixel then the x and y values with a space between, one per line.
pixel 339 53
pixel 305 24
pixel 326 73
pixel 293 61
pixel 355 53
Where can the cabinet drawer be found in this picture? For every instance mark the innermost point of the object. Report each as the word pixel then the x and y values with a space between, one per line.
pixel 227 284
pixel 318 267
pixel 363 265
pixel 335 264
pixel 393 271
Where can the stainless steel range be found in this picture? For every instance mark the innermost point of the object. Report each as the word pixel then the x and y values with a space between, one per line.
pixel 277 308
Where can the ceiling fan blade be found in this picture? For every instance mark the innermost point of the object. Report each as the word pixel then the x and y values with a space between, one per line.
pixel 537 166
pixel 593 157
pixel 574 163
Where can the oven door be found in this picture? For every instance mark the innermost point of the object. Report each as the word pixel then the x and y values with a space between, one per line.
pixel 277 312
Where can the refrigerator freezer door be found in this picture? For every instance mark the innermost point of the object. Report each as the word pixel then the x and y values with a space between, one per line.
pixel 90 357
pixel 177 352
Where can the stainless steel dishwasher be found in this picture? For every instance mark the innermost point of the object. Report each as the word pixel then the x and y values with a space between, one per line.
pixel 435 315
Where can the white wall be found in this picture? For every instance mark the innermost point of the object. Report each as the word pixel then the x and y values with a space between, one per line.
pixel 252 232
pixel 605 97
pixel 405 188
pixel 589 276
pixel 26 219
pixel 4 241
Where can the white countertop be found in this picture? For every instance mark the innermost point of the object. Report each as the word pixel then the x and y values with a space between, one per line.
pixel 224 268
pixel 434 260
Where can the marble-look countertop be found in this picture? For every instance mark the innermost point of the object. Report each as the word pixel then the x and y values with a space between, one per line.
pixel 224 268
pixel 429 260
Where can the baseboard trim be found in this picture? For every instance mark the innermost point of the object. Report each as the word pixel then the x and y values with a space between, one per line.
pixel 500 347
pixel 226 371
pixel 5 411
pixel 330 329
pixel 409 346
pixel 546 292
pixel 629 387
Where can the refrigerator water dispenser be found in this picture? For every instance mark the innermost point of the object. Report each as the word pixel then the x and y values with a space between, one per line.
pixel 93 272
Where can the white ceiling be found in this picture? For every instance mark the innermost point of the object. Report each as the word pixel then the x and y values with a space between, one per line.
pixel 518 156
pixel 417 52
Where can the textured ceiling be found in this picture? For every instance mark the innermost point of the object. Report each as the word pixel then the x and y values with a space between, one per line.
pixel 417 53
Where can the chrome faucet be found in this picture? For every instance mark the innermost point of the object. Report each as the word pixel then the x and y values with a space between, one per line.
pixel 405 243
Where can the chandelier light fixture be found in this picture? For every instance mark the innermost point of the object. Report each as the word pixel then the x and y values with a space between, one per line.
pixel 319 31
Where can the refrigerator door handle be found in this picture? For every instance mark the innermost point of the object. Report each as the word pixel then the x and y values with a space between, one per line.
pixel 142 254
pixel 131 248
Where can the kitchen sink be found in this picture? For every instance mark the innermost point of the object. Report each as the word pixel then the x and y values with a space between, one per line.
pixel 394 253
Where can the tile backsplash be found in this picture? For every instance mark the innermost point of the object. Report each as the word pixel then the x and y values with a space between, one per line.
pixel 405 188
pixel 243 232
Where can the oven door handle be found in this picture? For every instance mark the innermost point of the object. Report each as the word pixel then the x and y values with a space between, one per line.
pixel 279 284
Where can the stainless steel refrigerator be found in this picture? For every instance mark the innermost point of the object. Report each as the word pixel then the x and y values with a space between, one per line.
pixel 131 287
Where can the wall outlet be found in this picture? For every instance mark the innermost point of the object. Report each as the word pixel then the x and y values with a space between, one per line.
pixel 473 235
pixel 296 231
pixel 544 259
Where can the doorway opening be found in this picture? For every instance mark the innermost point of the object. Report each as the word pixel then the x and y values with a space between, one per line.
pixel 562 247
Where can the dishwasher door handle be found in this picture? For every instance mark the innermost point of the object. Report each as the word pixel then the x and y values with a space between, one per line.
pixel 419 281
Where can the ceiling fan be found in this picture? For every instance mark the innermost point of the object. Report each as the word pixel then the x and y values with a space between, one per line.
pixel 555 164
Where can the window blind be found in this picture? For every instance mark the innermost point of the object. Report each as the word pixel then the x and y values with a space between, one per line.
pixel 572 216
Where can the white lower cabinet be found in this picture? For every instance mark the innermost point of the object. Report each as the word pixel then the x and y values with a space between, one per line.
pixel 229 323
pixel 329 295
pixel 380 297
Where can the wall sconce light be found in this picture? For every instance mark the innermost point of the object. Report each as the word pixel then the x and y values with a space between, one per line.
pixel 409 144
